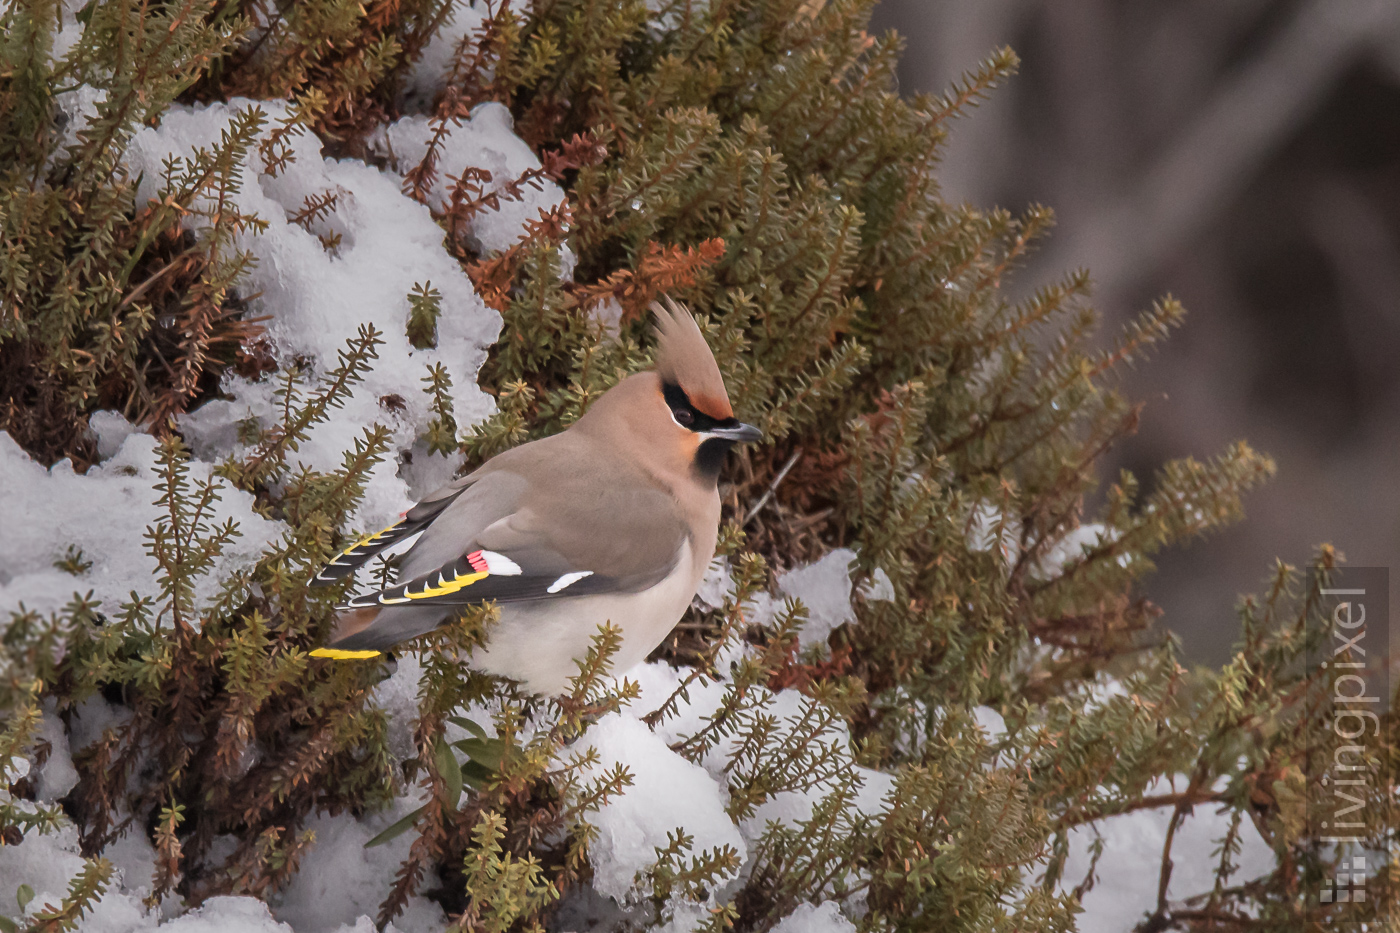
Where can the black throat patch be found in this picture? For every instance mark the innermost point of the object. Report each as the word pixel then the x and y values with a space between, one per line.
pixel 709 458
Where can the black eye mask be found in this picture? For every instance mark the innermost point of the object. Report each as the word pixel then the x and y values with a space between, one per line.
pixel 688 416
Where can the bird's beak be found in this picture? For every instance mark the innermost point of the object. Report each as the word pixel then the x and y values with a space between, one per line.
pixel 739 434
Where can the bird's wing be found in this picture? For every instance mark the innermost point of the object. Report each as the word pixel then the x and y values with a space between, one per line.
pixel 483 575
pixel 622 540
pixel 410 523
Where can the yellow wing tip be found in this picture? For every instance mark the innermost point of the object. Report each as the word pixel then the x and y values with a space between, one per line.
pixel 336 654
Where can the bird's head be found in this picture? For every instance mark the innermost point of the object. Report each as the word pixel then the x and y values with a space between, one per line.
pixel 676 420
pixel 701 421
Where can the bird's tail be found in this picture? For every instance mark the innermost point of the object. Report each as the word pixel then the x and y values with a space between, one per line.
pixel 348 624
pixel 368 632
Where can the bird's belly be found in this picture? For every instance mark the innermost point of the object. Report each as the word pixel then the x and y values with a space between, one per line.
pixel 538 643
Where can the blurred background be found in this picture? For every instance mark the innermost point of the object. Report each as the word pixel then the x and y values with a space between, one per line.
pixel 1244 156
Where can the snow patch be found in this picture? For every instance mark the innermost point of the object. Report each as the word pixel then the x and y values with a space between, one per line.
pixel 879 588
pixel 109 429
pixel 990 722
pixel 1072 548
pixel 59 510
pixel 426 472
pixel 58 775
pixel 794 807
pixel 340 880
pixel 317 296
pixel 991 529
pixel 815 918
pixel 486 141
pixel 433 67
pixel 716 586
pixel 227 915
pixel 685 917
pixel 1133 851
pixel 667 792
pixel 825 589
pixel 47 863
pixel 608 314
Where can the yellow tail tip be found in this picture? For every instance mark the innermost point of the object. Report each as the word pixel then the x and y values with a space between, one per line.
pixel 336 654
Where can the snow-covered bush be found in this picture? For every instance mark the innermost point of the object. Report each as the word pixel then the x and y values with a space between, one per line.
pixel 271 271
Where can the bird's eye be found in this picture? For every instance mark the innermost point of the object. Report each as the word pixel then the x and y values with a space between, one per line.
pixel 684 417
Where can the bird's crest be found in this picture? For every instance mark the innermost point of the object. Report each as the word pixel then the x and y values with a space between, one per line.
pixel 684 359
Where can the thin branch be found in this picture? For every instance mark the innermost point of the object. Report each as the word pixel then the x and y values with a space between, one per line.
pixel 772 487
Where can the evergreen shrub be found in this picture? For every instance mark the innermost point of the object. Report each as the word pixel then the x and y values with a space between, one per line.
pixel 750 158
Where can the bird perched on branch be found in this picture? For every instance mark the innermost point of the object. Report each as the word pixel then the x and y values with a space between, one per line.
pixel 612 520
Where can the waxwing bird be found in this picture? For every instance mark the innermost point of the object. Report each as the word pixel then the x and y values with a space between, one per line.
pixel 614 519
